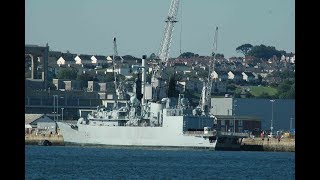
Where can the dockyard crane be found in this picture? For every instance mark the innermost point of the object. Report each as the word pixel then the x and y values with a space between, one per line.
pixel 118 87
pixel 168 31
pixel 205 100
pixel 163 54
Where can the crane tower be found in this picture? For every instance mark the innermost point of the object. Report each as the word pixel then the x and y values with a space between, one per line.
pixel 117 85
pixel 163 55
pixel 167 36
pixel 205 101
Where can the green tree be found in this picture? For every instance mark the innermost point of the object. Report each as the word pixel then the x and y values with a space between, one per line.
pixel 152 56
pixel 51 86
pixel 109 77
pixel 244 49
pixel 264 52
pixel 67 73
pixel 231 87
pixel 172 92
pixel 259 79
pixel 203 74
pixel 188 55
pixel 219 55
pixel 84 78
pixel 286 90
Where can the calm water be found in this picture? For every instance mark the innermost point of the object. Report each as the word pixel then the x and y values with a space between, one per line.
pixel 73 162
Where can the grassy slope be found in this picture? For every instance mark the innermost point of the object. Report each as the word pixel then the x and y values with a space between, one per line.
pixel 256 91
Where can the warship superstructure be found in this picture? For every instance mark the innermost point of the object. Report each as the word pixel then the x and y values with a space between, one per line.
pixel 157 125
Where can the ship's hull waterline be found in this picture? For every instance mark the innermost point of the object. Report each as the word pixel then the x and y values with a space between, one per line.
pixel 132 136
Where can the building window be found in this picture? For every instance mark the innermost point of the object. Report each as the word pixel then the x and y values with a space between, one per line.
pixel 231 122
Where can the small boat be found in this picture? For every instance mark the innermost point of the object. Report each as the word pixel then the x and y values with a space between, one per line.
pixel 45 143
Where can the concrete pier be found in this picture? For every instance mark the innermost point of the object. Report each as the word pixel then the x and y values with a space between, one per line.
pixel 33 139
pixel 257 144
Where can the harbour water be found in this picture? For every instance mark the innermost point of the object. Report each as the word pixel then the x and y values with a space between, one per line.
pixel 76 162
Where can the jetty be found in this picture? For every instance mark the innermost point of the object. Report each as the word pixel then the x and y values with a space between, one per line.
pixel 34 139
pixel 268 144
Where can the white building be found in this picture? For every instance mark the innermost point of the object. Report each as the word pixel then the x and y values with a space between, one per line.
pixel 221 106
pixel 40 123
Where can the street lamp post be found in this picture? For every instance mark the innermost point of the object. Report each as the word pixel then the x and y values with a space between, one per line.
pixel 271 125
pixel 55 106
pixel 62 113
pixel 234 115
pixel 290 123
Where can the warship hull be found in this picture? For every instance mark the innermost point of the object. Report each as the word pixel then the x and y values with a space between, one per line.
pixel 168 135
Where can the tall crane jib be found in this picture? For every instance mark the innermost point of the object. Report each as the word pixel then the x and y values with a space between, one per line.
pixel 205 101
pixel 167 37
pixel 115 54
pixel 117 85
pixel 163 54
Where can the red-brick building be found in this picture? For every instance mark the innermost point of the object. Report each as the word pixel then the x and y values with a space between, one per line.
pixel 227 123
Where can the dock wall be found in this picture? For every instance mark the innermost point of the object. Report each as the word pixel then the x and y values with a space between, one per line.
pixel 34 139
pixel 257 144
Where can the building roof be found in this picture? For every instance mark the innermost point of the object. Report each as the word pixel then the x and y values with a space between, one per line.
pixel 85 57
pixel 236 73
pixel 29 118
pixel 68 56
pixel 249 74
pixel 221 73
pixel 100 57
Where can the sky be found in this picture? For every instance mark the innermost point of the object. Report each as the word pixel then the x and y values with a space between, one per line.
pixel 88 26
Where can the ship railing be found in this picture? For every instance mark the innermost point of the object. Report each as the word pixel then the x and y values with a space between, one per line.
pixel 200 133
pixel 233 134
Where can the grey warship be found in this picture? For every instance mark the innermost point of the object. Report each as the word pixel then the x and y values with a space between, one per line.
pixel 139 122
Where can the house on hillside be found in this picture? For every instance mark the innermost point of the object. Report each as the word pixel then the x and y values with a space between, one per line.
pixel 40 124
pixel 83 59
pixel 66 59
pixel 220 75
pixel 99 60
pixel 248 76
pixel 219 87
pixel 190 84
pixel 235 76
